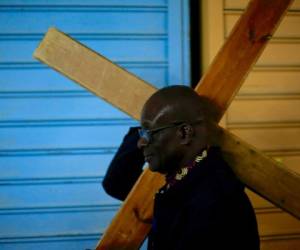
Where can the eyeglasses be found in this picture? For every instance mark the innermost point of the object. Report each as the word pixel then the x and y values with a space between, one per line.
pixel 147 134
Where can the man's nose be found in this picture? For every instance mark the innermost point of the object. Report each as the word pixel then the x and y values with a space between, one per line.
pixel 142 142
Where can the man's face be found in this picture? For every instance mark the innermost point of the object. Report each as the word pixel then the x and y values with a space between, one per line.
pixel 162 149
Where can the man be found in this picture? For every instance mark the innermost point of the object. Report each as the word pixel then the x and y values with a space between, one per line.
pixel 202 205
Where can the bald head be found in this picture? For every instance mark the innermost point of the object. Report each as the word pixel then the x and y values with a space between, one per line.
pixel 182 104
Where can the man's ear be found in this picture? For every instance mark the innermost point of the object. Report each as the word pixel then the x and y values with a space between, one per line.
pixel 186 133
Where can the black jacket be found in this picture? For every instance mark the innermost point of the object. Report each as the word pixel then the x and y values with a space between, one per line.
pixel 207 210
pixel 125 167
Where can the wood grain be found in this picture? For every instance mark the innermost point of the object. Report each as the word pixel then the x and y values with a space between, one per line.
pixel 94 72
pixel 259 172
pixel 242 49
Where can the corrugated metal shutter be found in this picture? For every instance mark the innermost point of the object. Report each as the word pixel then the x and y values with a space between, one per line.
pixel 56 139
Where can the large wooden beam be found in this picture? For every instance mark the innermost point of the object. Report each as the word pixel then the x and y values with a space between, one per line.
pixel 94 72
pixel 137 209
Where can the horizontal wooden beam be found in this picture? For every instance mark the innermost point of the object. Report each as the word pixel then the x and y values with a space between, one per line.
pixel 126 92
pixel 94 72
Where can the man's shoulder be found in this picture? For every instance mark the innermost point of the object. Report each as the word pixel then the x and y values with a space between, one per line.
pixel 215 178
pixel 221 171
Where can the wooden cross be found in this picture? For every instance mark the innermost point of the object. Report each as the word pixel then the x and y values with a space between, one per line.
pixel 222 81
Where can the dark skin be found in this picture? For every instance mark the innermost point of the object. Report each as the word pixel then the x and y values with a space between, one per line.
pixel 173 148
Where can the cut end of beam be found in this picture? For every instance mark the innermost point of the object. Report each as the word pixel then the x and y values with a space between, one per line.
pixel 94 72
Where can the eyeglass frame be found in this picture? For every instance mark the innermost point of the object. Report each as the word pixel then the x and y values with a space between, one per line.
pixel 147 134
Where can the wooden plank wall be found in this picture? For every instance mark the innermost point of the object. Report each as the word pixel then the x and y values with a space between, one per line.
pixel 266 111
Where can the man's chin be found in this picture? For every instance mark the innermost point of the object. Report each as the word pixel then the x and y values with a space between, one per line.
pixel 152 168
pixel 156 169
